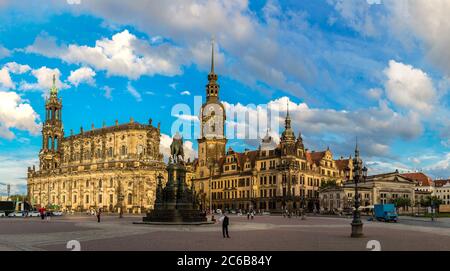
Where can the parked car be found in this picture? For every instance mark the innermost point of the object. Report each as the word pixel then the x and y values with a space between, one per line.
pixel 34 214
pixel 2 214
pixel 265 213
pixel 57 213
pixel 16 214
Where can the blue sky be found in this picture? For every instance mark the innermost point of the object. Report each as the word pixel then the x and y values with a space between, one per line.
pixel 378 70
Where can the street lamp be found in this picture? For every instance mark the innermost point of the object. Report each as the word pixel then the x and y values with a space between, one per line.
pixel 359 174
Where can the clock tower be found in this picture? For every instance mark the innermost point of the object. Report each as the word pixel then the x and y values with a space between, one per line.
pixel 212 141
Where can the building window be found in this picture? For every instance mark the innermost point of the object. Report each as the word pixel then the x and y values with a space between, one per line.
pixel 87 199
pixel 74 198
pixel 111 198
pixel 100 198
pixel 100 184
pixel 130 199
pixel 123 150
pixel 110 152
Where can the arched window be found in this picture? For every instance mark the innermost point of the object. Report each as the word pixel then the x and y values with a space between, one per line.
pixel 130 199
pixel 111 183
pixel 110 152
pixel 123 150
pixel 140 150
pixel 87 183
pixel 100 183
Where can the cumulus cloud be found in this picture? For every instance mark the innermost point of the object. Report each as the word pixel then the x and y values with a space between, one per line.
pixel 44 77
pixel 164 148
pixel 82 75
pixel 5 79
pixel 376 127
pixel 409 87
pixel 427 21
pixel 17 68
pixel 15 113
pixel 124 55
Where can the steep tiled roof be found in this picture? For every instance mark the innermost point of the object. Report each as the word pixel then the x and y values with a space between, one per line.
pixel 440 183
pixel 341 164
pixel 419 177
pixel 315 157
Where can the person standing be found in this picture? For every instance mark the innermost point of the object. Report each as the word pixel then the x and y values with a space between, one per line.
pixel 248 214
pixel 99 214
pixel 225 224
pixel 42 212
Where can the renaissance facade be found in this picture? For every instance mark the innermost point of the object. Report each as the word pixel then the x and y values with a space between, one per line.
pixel 114 168
pixel 273 177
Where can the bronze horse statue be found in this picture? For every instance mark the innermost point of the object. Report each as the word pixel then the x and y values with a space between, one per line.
pixel 176 149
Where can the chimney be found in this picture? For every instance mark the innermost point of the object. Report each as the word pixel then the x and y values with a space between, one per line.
pixel 92 126
pixel 117 123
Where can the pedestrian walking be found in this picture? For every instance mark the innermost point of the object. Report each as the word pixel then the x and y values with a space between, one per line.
pixel 99 214
pixel 225 224
pixel 252 214
pixel 42 213
pixel 248 215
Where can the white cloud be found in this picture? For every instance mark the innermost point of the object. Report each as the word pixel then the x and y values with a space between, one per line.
pixel 426 20
pixel 44 77
pixel 5 79
pixel 164 148
pixel 336 127
pixel 82 75
pixel 124 55
pixel 375 93
pixel 108 92
pixel 409 87
pixel 441 168
pixel 357 15
pixel 17 68
pixel 134 92
pixel 14 113
pixel 4 52
pixel 187 93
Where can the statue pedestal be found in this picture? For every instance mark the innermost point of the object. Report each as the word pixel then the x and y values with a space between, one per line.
pixel 175 204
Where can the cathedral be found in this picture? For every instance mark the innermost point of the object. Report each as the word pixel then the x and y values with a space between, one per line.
pixel 114 168
pixel 273 177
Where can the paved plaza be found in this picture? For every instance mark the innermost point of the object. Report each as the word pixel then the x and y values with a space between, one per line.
pixel 264 233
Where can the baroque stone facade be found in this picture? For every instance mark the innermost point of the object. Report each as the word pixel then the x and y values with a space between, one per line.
pixel 114 168
pixel 276 176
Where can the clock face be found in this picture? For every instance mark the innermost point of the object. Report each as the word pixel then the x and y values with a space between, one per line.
pixel 213 121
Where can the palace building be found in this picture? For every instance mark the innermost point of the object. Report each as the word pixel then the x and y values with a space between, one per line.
pixel 113 168
pixel 275 176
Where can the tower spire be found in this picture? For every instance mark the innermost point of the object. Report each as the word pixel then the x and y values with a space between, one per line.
pixel 212 56
pixel 288 117
pixel 54 89
pixel 212 88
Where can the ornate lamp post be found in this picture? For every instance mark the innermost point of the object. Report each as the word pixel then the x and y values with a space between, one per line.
pixel 359 174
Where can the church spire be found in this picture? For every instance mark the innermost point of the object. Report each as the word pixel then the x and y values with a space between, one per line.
pixel 54 89
pixel 212 88
pixel 287 121
pixel 212 56
pixel 288 133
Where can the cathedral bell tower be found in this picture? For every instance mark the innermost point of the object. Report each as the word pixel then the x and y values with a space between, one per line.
pixel 212 141
pixel 52 131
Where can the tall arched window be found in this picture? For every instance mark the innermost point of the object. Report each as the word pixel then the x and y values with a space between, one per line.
pixel 123 150
pixel 110 152
pixel 130 199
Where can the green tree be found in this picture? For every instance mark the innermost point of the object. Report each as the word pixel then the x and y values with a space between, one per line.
pixel 326 184
pixel 401 202
pixel 427 202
